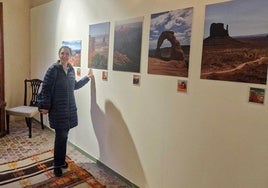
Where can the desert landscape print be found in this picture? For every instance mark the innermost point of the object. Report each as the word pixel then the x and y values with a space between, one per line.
pixel 127 45
pixel 256 95
pixel 169 42
pixel 235 45
pixel 98 45
pixel 75 45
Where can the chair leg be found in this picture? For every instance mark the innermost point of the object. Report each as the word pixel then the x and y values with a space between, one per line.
pixel 29 125
pixel 41 119
pixel 7 120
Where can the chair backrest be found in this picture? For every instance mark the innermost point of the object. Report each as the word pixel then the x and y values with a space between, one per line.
pixel 34 85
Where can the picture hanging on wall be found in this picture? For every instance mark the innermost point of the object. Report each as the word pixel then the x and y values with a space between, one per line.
pixel 235 42
pixel 104 75
pixel 75 45
pixel 182 86
pixel 78 71
pixel 127 45
pixel 98 45
pixel 256 95
pixel 136 80
pixel 169 42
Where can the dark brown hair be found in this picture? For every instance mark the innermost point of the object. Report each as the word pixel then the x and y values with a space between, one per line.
pixel 65 47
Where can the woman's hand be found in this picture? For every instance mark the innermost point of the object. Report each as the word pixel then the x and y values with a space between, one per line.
pixel 90 74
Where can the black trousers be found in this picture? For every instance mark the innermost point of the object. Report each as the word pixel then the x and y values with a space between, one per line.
pixel 60 146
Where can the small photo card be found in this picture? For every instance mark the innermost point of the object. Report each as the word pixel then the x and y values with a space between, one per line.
pixel 182 86
pixel 256 95
pixel 136 79
pixel 104 75
pixel 78 71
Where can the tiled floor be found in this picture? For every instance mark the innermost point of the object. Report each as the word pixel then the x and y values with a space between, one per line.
pixel 18 145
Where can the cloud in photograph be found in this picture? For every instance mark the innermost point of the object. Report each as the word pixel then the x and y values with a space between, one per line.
pixel 178 21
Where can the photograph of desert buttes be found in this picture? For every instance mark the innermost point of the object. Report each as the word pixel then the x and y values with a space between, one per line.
pixel 75 45
pixel 98 45
pixel 235 45
pixel 169 43
pixel 127 45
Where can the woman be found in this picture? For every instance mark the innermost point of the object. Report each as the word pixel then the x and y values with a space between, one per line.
pixel 59 103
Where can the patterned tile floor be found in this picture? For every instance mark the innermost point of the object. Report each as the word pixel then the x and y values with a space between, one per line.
pixel 18 145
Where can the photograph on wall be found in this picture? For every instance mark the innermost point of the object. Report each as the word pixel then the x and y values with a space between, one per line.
pixel 98 45
pixel 235 42
pixel 169 42
pixel 127 45
pixel 104 75
pixel 75 45
pixel 182 86
pixel 78 71
pixel 136 80
pixel 256 95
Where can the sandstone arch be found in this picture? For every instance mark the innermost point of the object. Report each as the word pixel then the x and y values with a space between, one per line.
pixel 176 51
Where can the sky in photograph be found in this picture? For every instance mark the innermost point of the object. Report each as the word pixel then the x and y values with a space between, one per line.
pixel 243 17
pixel 74 45
pixel 99 29
pixel 179 21
pixel 125 24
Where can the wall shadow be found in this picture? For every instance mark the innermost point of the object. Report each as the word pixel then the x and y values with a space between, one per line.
pixel 117 149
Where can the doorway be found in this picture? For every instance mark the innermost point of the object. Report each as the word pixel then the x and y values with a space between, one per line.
pixel 2 77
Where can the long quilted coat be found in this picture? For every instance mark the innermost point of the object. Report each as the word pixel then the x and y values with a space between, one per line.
pixel 58 92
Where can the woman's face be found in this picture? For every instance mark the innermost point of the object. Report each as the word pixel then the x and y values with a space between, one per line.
pixel 64 55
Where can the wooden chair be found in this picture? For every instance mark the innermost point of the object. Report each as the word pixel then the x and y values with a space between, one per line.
pixel 29 109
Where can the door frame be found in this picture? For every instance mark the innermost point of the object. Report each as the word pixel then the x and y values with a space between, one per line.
pixel 2 76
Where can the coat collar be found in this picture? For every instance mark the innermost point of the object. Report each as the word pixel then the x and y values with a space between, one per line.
pixel 59 66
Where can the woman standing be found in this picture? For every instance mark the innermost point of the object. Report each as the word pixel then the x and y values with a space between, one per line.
pixel 59 103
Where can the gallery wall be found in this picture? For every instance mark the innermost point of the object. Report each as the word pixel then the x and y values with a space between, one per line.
pixel 151 134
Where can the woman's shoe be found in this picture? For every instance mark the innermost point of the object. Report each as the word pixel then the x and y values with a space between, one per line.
pixel 65 165
pixel 57 172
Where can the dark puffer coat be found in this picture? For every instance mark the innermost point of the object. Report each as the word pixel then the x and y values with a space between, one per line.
pixel 58 92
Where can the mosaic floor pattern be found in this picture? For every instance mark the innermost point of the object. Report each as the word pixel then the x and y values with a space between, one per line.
pixel 18 145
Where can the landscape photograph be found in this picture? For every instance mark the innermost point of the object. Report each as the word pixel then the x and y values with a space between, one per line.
pixel 235 42
pixel 127 45
pixel 169 42
pixel 256 95
pixel 98 45
pixel 75 45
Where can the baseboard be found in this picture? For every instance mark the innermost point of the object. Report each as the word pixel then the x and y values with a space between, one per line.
pixel 129 183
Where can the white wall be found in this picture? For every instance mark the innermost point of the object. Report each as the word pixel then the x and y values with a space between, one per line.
pixel 152 135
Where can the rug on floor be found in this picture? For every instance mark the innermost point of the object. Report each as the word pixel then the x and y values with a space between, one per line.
pixel 37 171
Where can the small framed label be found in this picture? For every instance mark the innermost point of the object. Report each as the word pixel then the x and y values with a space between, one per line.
pixel 256 95
pixel 182 86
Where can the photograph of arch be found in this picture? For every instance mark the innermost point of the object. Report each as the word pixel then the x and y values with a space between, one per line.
pixel 235 43
pixel 169 42
pixel 127 45
pixel 75 45
pixel 98 45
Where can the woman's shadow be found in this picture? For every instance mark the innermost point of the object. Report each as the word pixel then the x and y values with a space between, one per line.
pixel 117 149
